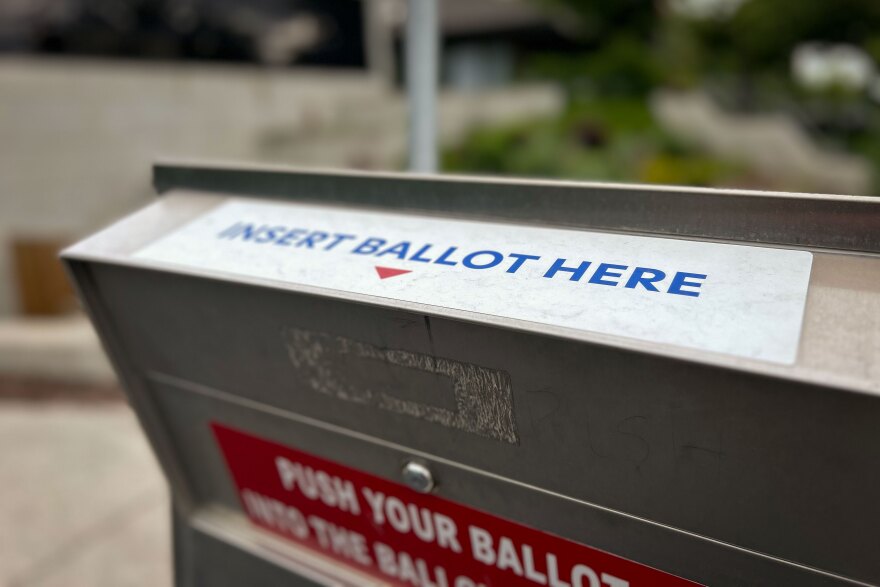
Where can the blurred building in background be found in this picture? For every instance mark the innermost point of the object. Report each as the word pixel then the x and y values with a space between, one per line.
pixel 485 44
pixel 700 92
pixel 95 90
pixel 263 31
pixel 482 41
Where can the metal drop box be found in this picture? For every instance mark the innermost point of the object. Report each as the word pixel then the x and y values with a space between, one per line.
pixel 718 468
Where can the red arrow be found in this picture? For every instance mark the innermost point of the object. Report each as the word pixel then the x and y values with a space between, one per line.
pixel 386 272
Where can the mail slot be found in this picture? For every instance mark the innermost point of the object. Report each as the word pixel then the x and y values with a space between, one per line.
pixel 432 381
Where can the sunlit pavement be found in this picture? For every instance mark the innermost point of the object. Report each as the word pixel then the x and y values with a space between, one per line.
pixel 84 503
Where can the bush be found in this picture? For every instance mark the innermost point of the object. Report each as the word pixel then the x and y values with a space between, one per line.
pixel 609 140
pixel 624 67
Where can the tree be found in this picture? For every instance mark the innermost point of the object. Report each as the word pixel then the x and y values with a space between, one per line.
pixel 597 21
pixel 762 34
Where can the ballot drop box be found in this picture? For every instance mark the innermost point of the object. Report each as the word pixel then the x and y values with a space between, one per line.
pixel 357 379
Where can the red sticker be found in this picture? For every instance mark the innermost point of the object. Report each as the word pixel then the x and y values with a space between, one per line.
pixel 404 537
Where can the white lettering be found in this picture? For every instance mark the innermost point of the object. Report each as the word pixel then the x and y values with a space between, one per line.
pixel 581 572
pixel 403 567
pixel 375 500
pixel 318 485
pixel 447 533
pixel 407 570
pixel 395 511
pixel 341 541
pixel 529 566
pixel 385 559
pixel 275 514
pixel 427 525
pixel 553 572
pixel 507 556
pixel 481 545
pixel 422 526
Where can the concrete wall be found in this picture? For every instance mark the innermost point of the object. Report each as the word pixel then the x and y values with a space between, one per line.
pixel 78 137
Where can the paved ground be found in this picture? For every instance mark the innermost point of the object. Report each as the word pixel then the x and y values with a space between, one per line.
pixel 59 349
pixel 82 502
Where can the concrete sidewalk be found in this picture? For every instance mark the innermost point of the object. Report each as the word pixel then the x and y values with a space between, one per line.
pixel 82 501
pixel 64 349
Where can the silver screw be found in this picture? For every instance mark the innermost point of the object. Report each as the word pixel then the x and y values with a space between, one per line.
pixel 418 477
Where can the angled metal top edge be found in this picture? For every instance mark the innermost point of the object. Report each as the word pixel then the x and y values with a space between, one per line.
pixel 846 223
pixel 797 372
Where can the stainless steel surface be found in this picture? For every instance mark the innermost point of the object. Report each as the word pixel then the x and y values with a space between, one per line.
pixel 422 49
pixel 838 348
pixel 723 470
pixel 217 547
pixel 842 223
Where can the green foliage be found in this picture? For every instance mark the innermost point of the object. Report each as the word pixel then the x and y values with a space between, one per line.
pixel 760 36
pixel 598 20
pixel 742 59
pixel 872 47
pixel 612 140
pixel 693 170
pixel 764 32
pixel 624 66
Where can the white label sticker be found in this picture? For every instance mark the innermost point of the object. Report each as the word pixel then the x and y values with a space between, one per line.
pixel 741 300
